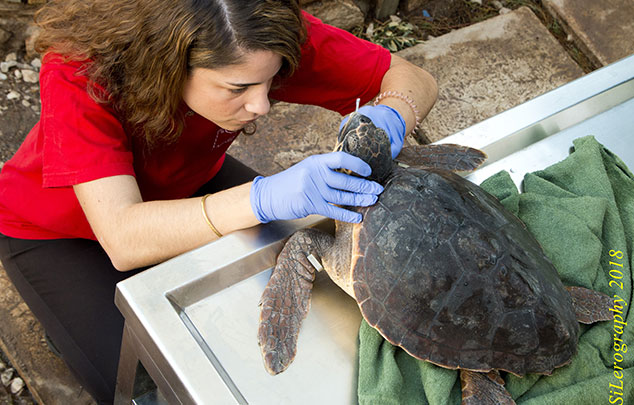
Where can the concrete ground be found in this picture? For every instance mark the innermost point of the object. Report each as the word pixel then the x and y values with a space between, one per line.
pixel 481 70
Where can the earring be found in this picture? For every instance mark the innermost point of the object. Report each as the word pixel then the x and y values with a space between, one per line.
pixel 249 129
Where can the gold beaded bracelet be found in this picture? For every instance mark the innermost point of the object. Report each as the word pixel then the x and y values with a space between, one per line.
pixel 403 97
pixel 213 228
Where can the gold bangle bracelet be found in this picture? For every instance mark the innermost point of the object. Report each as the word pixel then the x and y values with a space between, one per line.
pixel 213 228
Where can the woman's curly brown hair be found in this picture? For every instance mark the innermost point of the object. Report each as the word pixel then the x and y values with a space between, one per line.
pixel 141 51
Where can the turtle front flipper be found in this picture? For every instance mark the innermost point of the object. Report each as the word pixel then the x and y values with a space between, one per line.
pixel 591 306
pixel 286 298
pixel 484 389
pixel 442 156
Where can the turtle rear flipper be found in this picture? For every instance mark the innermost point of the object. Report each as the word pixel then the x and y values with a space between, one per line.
pixel 286 298
pixel 442 156
pixel 591 306
pixel 484 389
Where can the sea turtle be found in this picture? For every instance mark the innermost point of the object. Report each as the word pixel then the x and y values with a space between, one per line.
pixel 440 268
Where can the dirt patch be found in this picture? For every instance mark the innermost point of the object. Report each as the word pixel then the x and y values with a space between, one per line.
pixel 19 99
pixel 19 111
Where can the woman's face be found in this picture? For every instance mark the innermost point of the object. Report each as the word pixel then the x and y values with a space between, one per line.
pixel 233 96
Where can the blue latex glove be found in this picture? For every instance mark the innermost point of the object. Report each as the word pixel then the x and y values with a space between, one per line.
pixel 389 120
pixel 312 186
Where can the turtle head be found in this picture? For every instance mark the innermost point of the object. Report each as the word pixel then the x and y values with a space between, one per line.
pixel 359 137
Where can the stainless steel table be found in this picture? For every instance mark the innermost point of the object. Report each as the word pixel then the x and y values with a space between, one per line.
pixel 191 322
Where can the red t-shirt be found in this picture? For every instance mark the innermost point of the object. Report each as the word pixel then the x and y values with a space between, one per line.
pixel 78 140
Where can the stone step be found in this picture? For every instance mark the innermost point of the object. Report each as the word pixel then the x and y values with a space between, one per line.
pixel 481 70
pixel 603 30
pixel 489 67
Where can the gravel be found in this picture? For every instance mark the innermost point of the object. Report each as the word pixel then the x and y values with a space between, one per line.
pixel 13 390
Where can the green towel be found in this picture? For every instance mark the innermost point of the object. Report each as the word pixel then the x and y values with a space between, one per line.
pixel 582 212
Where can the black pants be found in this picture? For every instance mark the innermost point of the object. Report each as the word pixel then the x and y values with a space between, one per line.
pixel 69 284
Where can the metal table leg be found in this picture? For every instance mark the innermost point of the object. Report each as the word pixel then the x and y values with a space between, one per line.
pixel 126 374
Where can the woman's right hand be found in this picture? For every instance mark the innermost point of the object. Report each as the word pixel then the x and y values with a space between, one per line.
pixel 312 186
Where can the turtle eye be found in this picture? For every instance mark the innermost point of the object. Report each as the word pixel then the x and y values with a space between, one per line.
pixel 351 143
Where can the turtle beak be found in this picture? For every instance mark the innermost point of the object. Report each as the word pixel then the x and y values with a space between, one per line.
pixel 352 122
pixel 341 145
pixel 338 146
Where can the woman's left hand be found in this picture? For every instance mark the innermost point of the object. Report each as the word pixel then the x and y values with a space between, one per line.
pixel 389 120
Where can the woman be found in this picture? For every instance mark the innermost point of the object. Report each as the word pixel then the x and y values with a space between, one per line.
pixel 127 168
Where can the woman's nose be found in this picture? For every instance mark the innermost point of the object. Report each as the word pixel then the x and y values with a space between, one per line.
pixel 258 102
